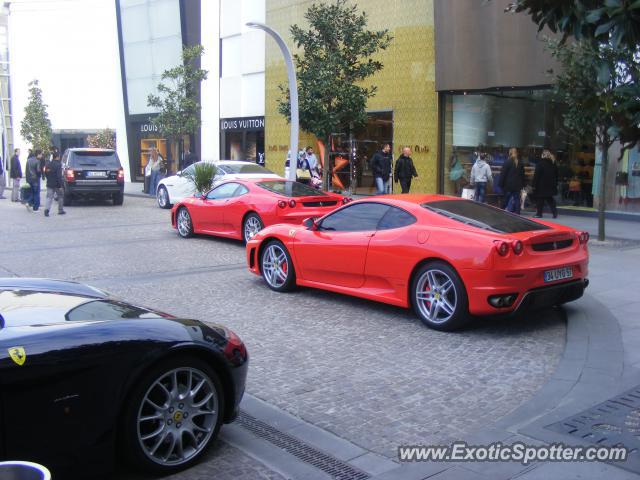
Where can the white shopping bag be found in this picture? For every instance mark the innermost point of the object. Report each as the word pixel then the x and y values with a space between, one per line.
pixel 468 193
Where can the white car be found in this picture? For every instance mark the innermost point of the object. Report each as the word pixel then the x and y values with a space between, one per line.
pixel 176 187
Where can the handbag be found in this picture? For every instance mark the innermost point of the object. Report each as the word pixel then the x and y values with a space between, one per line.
pixel 468 193
pixel 303 174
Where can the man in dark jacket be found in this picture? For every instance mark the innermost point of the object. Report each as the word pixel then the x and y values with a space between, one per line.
pixel 33 173
pixel 405 170
pixel 53 174
pixel 15 172
pixel 512 181
pixel 545 183
pixel 2 184
pixel 381 167
pixel 189 158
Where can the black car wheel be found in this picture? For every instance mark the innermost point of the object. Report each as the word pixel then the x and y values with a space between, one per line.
pixel 162 197
pixel 277 267
pixel 439 297
pixel 252 224
pixel 118 198
pixel 67 198
pixel 172 416
pixel 184 223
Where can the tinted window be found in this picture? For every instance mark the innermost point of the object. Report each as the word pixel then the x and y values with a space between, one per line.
pixel 290 189
pixel 361 217
pixel 107 310
pixel 396 218
pixel 87 158
pixel 483 216
pixel 226 190
pixel 244 168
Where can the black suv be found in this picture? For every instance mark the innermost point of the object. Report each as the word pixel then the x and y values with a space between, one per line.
pixel 92 172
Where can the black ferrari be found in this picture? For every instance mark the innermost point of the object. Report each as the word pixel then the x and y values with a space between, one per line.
pixel 85 377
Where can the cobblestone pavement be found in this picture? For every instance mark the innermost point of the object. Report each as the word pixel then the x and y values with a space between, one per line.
pixel 368 372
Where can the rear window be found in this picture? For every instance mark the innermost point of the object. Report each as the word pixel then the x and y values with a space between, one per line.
pixel 94 159
pixel 291 189
pixel 483 216
pixel 244 168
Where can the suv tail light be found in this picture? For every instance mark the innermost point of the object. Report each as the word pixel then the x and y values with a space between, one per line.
pixel 70 175
pixel 583 237
pixel 502 248
pixel 120 176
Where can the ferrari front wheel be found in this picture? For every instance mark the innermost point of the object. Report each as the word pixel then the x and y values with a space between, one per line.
pixel 184 223
pixel 173 415
pixel 439 297
pixel 277 267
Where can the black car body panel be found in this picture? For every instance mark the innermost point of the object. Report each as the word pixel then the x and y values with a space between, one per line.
pixel 61 407
pixel 92 171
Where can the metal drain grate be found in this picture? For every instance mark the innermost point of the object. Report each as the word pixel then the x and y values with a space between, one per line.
pixel 611 423
pixel 308 454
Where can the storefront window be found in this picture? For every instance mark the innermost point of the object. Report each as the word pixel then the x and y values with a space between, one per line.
pixel 242 138
pixel 529 120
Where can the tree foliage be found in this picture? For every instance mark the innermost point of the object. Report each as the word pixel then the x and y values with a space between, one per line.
pixel 105 138
pixel 336 54
pixel 35 127
pixel 177 102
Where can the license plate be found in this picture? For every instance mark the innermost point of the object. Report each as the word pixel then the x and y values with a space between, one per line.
pixel 558 274
pixel 96 174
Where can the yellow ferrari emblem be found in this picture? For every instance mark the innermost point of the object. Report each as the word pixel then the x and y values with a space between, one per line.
pixel 18 355
pixel 178 416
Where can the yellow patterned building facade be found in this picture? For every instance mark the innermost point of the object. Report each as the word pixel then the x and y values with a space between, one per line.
pixel 406 85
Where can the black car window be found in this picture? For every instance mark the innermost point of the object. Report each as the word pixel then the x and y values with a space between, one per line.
pixel 483 216
pixel 360 217
pixel 244 168
pixel 226 190
pixel 289 188
pixel 396 218
pixel 94 159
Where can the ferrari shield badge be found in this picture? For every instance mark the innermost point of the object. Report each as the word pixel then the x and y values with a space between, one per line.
pixel 18 355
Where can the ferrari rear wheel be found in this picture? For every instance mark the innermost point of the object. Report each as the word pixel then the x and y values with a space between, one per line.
pixel 277 267
pixel 439 297
pixel 184 223
pixel 173 415
pixel 252 224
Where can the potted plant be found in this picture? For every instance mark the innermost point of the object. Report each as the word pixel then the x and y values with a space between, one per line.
pixel 202 177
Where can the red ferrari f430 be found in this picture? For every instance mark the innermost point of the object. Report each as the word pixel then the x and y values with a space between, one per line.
pixel 445 257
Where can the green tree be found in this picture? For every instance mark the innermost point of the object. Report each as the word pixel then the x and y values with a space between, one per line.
pixel 35 127
pixel 177 101
pixel 337 55
pixel 596 81
pixel 105 138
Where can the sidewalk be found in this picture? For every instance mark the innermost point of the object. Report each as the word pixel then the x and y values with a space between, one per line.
pixel 134 189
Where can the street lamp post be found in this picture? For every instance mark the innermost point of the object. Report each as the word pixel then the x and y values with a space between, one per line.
pixel 293 95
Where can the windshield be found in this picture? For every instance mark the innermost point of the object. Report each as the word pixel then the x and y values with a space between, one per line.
pixel 291 189
pixel 95 159
pixel 483 216
pixel 244 168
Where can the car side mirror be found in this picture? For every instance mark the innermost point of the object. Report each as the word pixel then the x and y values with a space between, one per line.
pixel 179 173
pixel 311 223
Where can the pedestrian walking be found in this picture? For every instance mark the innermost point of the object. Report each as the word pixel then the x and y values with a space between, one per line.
pixel 480 176
pixel 512 181
pixel 381 167
pixel 154 166
pixel 53 174
pixel 405 170
pixel 312 160
pixel 545 183
pixel 189 159
pixel 2 179
pixel 15 172
pixel 33 174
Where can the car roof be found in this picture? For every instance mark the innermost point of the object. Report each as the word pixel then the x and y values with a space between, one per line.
pixel 90 149
pixel 409 198
pixel 51 285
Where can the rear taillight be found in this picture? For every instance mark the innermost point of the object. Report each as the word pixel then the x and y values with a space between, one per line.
pixel 282 203
pixel 501 247
pixel 120 176
pixel 517 247
pixel 583 237
pixel 70 175
pixel 292 203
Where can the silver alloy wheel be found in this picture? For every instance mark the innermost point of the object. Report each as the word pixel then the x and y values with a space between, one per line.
pixel 252 225
pixel 163 197
pixel 184 222
pixel 275 265
pixel 177 416
pixel 436 296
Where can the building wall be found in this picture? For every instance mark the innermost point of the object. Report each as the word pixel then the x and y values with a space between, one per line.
pixel 210 88
pixel 71 47
pixel 406 85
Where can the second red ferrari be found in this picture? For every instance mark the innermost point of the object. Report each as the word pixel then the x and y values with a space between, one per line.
pixel 241 208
